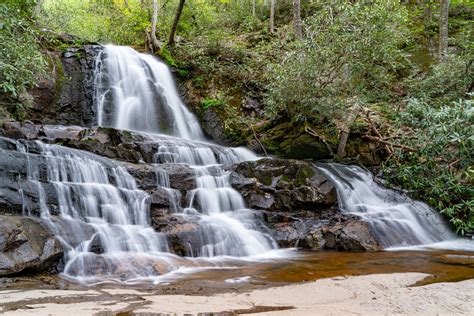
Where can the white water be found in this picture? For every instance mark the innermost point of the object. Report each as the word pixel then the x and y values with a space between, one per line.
pixel 104 218
pixel 137 92
pixel 399 222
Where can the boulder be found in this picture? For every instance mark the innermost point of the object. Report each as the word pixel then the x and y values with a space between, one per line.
pixel 351 235
pixel 27 245
pixel 283 185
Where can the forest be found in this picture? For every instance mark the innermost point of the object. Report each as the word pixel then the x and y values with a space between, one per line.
pixel 397 73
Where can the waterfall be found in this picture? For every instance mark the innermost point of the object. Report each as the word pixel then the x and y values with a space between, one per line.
pixel 103 219
pixel 137 92
pixel 397 220
pixel 95 208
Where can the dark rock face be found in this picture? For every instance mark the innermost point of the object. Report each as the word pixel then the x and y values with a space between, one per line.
pixel 352 235
pixel 213 126
pixel 283 185
pixel 25 244
pixel 66 96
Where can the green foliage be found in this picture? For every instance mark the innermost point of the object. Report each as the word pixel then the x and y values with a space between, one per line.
pixel 167 58
pixel 350 50
pixel 443 82
pixel 209 102
pixel 440 172
pixel 98 20
pixel 21 62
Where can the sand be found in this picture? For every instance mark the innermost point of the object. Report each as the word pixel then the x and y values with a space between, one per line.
pixel 377 294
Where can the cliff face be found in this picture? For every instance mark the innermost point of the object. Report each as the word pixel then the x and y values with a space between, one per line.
pixel 65 96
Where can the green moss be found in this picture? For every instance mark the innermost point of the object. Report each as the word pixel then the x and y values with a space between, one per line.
pixel 127 134
pixel 165 54
pixel 305 172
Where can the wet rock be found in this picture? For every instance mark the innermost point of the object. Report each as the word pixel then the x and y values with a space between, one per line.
pixel 282 185
pixel 352 235
pixel 213 126
pixel 182 233
pixel 299 204
pixel 66 96
pixel 26 244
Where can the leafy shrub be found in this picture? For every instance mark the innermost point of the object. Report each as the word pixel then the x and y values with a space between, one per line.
pixel 350 49
pixel 21 62
pixel 441 171
pixel 98 20
pixel 443 82
pixel 209 102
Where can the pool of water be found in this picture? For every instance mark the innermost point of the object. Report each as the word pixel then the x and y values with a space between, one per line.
pixel 442 266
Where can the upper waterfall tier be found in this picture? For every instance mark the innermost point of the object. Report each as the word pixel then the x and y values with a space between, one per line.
pixel 137 92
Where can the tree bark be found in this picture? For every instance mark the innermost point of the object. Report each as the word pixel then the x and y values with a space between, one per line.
pixel 443 31
pixel 345 129
pixel 154 19
pixel 253 8
pixel 272 16
pixel 297 19
pixel 175 22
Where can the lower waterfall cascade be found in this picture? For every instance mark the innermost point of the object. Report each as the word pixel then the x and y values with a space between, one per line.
pixel 102 217
pixel 398 221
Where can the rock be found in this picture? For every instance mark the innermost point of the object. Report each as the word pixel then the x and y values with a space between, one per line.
pixel 282 185
pixel 364 152
pixel 262 201
pixel 352 235
pixel 181 233
pixel 26 244
pixel 66 96
pixel 299 205
pixel 213 126
pixel 307 147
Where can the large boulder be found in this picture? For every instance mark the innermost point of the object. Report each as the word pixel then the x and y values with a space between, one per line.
pixel 351 235
pixel 26 244
pixel 283 185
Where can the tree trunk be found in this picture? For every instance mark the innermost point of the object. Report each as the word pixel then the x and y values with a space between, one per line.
pixel 272 16
pixel 175 22
pixel 154 41
pixel 443 31
pixel 253 8
pixel 345 129
pixel 297 19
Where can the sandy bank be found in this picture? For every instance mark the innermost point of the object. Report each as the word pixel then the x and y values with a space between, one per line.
pixel 368 295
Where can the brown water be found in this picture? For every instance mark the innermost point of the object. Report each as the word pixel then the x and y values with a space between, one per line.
pixel 443 266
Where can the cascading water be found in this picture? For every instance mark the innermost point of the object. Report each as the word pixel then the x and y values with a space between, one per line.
pixel 136 92
pixel 397 221
pixel 104 218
